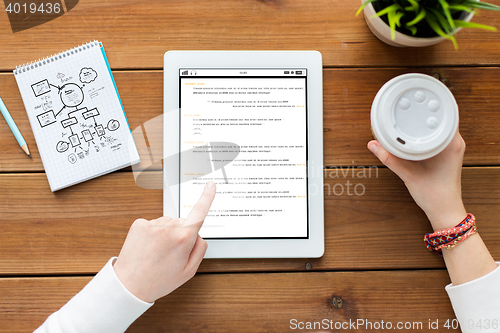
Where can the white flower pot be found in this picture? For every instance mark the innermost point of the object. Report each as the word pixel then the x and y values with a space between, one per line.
pixel 383 32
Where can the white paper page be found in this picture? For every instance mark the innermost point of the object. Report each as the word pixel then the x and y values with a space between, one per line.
pixel 262 192
pixel 76 116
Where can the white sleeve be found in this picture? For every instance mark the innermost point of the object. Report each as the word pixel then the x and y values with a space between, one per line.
pixel 103 306
pixel 477 303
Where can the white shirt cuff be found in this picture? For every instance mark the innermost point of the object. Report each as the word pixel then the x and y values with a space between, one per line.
pixel 476 303
pixel 104 305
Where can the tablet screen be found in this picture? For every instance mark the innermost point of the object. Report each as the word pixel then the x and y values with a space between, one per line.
pixel 245 130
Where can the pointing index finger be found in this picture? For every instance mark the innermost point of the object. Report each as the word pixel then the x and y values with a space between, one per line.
pixel 200 210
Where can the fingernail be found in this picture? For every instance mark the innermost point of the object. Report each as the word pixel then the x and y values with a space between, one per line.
pixel 373 147
pixel 210 185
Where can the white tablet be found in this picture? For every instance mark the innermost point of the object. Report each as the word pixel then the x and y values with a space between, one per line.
pixel 252 122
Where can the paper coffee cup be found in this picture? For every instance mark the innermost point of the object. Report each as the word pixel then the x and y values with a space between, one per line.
pixel 414 116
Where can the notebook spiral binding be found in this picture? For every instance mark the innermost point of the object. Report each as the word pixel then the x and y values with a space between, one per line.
pixel 53 58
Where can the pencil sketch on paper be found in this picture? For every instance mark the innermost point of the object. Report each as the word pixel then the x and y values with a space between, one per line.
pixel 72 105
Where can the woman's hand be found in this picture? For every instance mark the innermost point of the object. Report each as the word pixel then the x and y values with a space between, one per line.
pixel 160 255
pixel 434 184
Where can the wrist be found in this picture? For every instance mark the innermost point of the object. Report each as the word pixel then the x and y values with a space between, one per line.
pixel 447 218
pixel 131 283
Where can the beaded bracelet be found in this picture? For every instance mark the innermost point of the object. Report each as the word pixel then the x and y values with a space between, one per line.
pixel 448 235
pixel 449 238
pixel 459 239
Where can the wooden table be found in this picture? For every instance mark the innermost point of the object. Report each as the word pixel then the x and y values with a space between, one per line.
pixel 375 265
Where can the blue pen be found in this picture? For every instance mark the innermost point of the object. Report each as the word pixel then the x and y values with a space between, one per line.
pixel 13 128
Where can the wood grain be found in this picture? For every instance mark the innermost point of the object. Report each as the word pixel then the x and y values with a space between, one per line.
pixel 76 230
pixel 348 94
pixel 142 97
pixel 137 34
pixel 255 302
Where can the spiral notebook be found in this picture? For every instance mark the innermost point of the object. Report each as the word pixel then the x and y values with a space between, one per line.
pixel 76 115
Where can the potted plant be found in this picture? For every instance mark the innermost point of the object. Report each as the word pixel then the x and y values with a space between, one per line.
pixel 421 22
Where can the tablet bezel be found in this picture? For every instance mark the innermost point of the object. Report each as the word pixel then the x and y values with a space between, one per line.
pixel 313 247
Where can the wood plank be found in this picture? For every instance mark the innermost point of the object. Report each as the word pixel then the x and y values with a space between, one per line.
pixel 256 302
pixel 76 230
pixel 348 94
pixel 141 94
pixel 137 34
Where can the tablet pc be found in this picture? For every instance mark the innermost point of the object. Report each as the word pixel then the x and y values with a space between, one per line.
pixel 252 122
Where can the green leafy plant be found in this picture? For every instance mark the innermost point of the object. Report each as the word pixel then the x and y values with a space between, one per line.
pixel 441 16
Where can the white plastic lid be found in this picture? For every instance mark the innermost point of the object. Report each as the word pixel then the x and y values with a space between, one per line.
pixel 414 116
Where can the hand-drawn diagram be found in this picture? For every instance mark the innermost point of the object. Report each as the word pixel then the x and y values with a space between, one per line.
pixel 62 146
pixel 87 75
pixel 41 88
pixel 81 124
